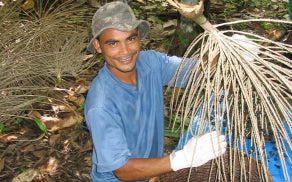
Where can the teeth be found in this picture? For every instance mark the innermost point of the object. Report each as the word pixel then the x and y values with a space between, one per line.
pixel 125 59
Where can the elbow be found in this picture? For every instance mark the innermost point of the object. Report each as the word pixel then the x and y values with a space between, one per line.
pixel 123 174
pixel 120 175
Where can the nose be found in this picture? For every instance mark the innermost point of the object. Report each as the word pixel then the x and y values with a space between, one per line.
pixel 124 48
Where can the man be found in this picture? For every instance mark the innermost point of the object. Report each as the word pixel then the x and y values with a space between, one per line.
pixel 124 106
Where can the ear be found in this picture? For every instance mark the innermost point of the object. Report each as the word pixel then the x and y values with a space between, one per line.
pixel 96 45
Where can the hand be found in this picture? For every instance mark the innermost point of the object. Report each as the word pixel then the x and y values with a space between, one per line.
pixel 249 46
pixel 198 151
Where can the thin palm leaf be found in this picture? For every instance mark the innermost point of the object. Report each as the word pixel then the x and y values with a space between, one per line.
pixel 248 99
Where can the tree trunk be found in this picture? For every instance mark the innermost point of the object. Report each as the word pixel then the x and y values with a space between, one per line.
pixel 187 30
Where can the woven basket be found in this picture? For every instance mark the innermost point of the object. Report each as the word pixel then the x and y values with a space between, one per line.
pixel 232 166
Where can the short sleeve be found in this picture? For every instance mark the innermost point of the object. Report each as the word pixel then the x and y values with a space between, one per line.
pixel 109 141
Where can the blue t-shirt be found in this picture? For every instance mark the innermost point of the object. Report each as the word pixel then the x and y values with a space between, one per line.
pixel 127 121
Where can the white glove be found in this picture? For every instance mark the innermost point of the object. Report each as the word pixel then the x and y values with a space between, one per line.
pixel 248 44
pixel 198 151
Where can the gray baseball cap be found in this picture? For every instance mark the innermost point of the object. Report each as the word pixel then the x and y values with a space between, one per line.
pixel 116 15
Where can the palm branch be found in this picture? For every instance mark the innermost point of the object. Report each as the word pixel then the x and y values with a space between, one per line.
pixel 247 92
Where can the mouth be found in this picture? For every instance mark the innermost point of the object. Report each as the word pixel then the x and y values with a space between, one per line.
pixel 125 60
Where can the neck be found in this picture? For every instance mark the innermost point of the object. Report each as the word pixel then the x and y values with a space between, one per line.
pixel 126 77
pixel 129 78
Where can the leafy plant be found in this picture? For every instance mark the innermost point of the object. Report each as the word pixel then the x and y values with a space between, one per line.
pixel 81 108
pixel 228 11
pixel 266 25
pixel 3 128
pixel 167 43
pixel 182 40
pixel 41 125
pixel 241 26
pixel 156 19
pixel 22 168
pixel 79 127
pixel 18 121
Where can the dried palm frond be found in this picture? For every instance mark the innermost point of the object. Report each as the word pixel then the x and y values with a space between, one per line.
pixel 247 93
pixel 39 29
pixel 38 52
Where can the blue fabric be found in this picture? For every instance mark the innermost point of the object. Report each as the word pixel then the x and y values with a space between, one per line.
pixel 273 161
pixel 126 121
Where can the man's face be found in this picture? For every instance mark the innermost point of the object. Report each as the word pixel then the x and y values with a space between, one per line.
pixel 120 50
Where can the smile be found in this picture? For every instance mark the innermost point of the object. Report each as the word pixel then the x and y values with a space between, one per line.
pixel 126 59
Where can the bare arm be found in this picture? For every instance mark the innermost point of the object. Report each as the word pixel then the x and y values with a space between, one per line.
pixel 197 151
pixel 141 169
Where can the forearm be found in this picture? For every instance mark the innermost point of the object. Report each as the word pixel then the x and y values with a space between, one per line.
pixel 140 169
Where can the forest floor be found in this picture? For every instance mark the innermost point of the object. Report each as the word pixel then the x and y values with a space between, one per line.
pixel 26 153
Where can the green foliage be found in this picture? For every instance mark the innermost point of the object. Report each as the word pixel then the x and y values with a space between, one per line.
pixel 174 133
pixel 18 121
pixel 81 108
pixel 182 40
pixel 271 9
pixel 266 25
pixel 261 3
pixel 3 128
pixel 78 127
pixel 41 125
pixel 22 168
pixel 241 26
pixel 156 19
pixel 135 11
pixel 167 43
pixel 228 11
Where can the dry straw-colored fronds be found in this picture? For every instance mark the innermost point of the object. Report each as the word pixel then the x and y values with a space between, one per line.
pixel 246 94
pixel 39 50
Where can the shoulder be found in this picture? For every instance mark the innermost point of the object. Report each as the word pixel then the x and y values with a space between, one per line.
pixel 151 54
pixel 151 59
pixel 98 91
pixel 157 60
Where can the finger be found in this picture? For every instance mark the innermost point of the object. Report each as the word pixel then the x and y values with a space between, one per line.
pixel 220 146
pixel 209 136
pixel 216 138
pixel 220 152
pixel 222 138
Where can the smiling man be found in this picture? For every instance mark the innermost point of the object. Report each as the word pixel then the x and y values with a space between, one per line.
pixel 124 106
pixel 120 50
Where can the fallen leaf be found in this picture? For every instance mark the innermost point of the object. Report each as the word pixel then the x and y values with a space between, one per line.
pixel 78 100
pixel 65 108
pixel 86 57
pixel 87 147
pixel 50 167
pixel 26 176
pixel 57 123
pixel 28 148
pixel 39 153
pixel 2 161
pixel 54 139
pixel 94 3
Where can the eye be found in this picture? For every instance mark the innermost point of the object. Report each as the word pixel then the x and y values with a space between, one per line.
pixel 132 38
pixel 112 43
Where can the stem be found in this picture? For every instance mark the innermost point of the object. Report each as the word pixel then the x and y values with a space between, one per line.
pixel 205 24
